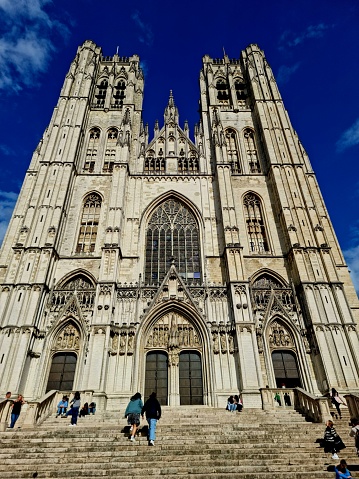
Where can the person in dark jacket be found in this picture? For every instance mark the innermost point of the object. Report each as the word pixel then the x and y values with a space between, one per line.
pixel 152 408
pixel 332 440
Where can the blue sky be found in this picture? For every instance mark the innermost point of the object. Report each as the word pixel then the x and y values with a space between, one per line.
pixel 312 47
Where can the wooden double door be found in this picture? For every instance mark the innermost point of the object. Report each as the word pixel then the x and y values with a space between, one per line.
pixel 190 382
pixel 62 372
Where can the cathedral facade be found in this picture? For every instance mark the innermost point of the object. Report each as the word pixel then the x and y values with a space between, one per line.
pixel 194 268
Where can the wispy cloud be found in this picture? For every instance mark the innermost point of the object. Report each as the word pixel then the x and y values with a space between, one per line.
pixel 146 35
pixel 352 258
pixel 25 44
pixel 292 39
pixel 285 72
pixel 7 203
pixel 349 138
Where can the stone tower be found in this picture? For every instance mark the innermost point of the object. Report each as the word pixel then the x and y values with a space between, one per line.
pixel 193 268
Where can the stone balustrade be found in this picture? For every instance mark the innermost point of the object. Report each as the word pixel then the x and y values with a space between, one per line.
pixel 353 404
pixel 312 407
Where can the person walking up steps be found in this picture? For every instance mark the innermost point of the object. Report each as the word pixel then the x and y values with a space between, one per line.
pixel 337 400
pixel 75 407
pixel 152 408
pixel 132 413
pixel 354 432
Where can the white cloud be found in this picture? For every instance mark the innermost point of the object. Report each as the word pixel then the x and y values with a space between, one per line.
pixel 284 73
pixel 25 47
pixel 352 258
pixel 7 204
pixel 290 39
pixel 146 35
pixel 349 138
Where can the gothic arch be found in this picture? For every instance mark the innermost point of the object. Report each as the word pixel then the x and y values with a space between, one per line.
pixel 172 341
pixel 150 210
pixel 73 274
pixel 270 273
pixel 254 217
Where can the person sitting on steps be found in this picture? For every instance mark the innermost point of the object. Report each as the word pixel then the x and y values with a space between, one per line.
pixel 62 406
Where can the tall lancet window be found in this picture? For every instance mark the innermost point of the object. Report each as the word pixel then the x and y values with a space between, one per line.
pixel 119 94
pixel 101 93
pixel 89 224
pixel 110 151
pixel 255 224
pixel 92 148
pixel 232 150
pixel 251 151
pixel 172 236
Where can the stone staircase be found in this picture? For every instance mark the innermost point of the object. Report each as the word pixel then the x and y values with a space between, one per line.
pixel 192 442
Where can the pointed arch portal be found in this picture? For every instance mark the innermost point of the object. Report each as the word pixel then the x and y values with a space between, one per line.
pixel 62 372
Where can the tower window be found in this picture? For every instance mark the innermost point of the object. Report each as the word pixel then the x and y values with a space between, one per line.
pixel 257 237
pixel 222 91
pixel 119 94
pixel 251 151
pixel 89 224
pixel 110 151
pixel 240 88
pixel 101 93
pixel 92 147
pixel 172 235
pixel 232 150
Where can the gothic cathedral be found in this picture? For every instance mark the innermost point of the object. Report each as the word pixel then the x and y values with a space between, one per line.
pixel 196 267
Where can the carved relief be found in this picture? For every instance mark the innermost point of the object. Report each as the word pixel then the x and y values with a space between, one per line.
pixel 279 336
pixel 173 331
pixel 68 338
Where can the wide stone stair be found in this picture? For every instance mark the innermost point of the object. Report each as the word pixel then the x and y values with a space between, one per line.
pixel 192 442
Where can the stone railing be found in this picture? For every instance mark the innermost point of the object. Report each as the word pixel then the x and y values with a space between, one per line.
pixel 37 411
pixel 5 412
pixel 352 400
pixel 277 397
pixel 312 407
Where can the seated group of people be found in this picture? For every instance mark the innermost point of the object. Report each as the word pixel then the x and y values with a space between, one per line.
pixel 84 411
pixel 234 403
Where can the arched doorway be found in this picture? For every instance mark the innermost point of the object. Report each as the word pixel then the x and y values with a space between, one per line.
pixel 156 379
pixel 62 372
pixel 174 361
pixel 285 369
pixel 190 378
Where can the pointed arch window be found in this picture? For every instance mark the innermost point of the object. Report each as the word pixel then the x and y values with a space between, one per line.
pixel 89 224
pixel 256 231
pixel 251 151
pixel 222 91
pixel 101 93
pixel 188 165
pixel 119 94
pixel 172 235
pixel 110 151
pixel 232 150
pixel 92 149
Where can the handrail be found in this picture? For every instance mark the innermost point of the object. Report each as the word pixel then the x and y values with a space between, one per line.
pixel 314 408
pixel 37 411
pixel 352 400
pixel 5 411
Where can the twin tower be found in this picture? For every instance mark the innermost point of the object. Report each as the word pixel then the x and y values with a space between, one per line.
pixel 194 267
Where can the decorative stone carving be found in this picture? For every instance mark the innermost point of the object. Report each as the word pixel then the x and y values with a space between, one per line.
pixel 279 336
pixel 173 331
pixel 68 338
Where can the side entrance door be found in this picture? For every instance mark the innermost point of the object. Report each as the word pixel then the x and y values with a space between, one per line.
pixel 190 378
pixel 62 372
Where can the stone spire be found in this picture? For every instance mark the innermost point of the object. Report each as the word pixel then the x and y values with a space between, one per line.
pixel 171 112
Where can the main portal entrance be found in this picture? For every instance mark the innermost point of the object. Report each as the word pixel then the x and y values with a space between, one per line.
pixel 174 368
pixel 190 378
